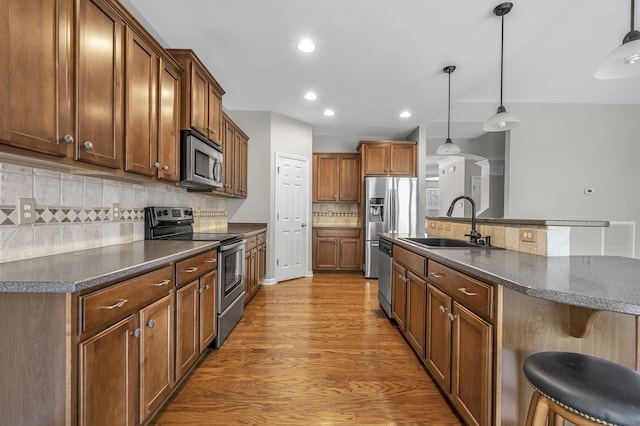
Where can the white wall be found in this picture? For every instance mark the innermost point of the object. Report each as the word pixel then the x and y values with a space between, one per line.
pixel 559 150
pixel 269 133
pixel 335 143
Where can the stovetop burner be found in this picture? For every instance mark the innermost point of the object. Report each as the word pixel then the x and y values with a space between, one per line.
pixel 176 223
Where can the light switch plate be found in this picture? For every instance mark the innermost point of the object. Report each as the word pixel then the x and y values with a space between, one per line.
pixel 27 209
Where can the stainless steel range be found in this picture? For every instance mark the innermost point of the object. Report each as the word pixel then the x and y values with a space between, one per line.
pixel 176 223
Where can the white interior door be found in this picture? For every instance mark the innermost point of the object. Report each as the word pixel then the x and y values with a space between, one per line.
pixel 292 217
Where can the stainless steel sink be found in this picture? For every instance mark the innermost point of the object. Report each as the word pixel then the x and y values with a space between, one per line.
pixel 447 243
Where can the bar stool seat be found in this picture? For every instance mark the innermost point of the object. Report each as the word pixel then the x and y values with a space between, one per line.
pixel 583 389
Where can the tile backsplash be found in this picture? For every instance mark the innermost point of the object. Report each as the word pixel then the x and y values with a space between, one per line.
pixel 336 214
pixel 72 212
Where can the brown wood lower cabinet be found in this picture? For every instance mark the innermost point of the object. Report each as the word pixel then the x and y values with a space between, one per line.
pixel 448 320
pixel 255 263
pixel 337 249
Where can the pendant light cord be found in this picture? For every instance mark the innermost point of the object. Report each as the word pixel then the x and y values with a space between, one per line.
pixel 449 111
pixel 502 57
pixel 633 3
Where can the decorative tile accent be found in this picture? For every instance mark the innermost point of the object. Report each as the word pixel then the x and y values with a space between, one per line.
pixel 55 215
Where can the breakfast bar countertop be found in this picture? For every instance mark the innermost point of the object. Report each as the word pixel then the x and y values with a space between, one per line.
pixel 83 269
pixel 609 283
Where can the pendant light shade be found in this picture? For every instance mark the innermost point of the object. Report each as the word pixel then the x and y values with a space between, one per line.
pixel 501 120
pixel 625 60
pixel 448 147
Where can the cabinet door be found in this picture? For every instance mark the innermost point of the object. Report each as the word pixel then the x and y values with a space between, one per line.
pixel 349 178
pixel 187 342
pixel 99 84
pixel 399 294
pixel 141 77
pixel 375 159
pixel 228 152
pixel 36 83
pixel 350 254
pixel 402 160
pixel 262 263
pixel 438 345
pixel 471 366
pixel 214 119
pixel 199 99
pixel 169 123
pixel 240 166
pixel 207 309
pixel 326 253
pixel 157 351
pixel 416 307
pixel 250 273
pixel 107 376
pixel 325 175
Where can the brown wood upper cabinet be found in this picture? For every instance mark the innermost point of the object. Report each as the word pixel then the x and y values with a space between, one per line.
pixel 336 177
pixel 201 106
pixel 388 158
pixel 152 131
pixel 235 151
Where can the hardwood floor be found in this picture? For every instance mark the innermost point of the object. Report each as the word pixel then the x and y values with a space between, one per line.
pixel 311 351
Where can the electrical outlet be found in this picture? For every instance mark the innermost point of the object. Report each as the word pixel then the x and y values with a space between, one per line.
pixel 27 208
pixel 432 225
pixel 528 235
pixel 114 213
pixel 447 226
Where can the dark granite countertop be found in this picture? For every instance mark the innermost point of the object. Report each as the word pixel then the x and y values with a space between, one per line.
pixel 609 283
pixel 83 269
pixel 525 222
pixel 248 229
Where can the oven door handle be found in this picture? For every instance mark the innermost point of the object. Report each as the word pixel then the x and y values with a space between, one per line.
pixel 232 246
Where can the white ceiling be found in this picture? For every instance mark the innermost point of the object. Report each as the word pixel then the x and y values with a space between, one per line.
pixel 376 58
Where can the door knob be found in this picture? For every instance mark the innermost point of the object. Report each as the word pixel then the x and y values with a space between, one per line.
pixel 304 225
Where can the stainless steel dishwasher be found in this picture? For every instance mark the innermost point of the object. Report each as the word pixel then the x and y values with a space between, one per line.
pixel 384 275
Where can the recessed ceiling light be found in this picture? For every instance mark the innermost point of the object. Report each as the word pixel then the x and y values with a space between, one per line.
pixel 405 114
pixel 306 46
pixel 310 96
pixel 329 113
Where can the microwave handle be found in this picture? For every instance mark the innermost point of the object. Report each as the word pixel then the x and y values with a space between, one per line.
pixel 217 170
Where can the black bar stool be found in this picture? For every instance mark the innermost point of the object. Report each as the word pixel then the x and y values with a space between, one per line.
pixel 583 389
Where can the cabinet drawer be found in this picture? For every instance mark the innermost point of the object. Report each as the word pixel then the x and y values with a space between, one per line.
pixel 474 294
pixel 415 262
pixel 340 233
pixel 261 237
pixel 195 266
pixel 250 243
pixel 109 304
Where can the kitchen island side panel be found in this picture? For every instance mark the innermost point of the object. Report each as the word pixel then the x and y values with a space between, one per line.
pixel 35 359
pixel 531 325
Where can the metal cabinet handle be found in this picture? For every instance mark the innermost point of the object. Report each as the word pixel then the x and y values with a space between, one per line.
pixel 211 261
pixel 467 292
pixel 209 129
pixel 119 304
pixel 151 323
pixel 451 317
pixel 156 165
pixel 442 309
pixel 68 139
pixel 207 287
pixel 200 290
pixel 165 168
pixel 163 283
pixel 435 275
pixel 88 145
pixel 192 269
pixel 136 332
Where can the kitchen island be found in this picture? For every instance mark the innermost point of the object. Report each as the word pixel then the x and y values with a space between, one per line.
pixel 535 303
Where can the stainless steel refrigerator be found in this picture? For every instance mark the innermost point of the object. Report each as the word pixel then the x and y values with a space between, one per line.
pixel 390 206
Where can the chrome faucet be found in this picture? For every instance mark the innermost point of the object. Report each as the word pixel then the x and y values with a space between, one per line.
pixel 474 235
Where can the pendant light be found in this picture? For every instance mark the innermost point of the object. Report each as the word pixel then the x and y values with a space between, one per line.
pixel 501 120
pixel 625 60
pixel 448 147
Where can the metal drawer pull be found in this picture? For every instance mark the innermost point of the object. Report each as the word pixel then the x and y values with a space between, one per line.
pixel 163 283
pixel 151 323
pixel 467 292
pixel 210 261
pixel 451 317
pixel 192 269
pixel 443 309
pixel 206 287
pixel 136 332
pixel 119 304
pixel 436 275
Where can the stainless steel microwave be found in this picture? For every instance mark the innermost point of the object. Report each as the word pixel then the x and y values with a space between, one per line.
pixel 200 162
